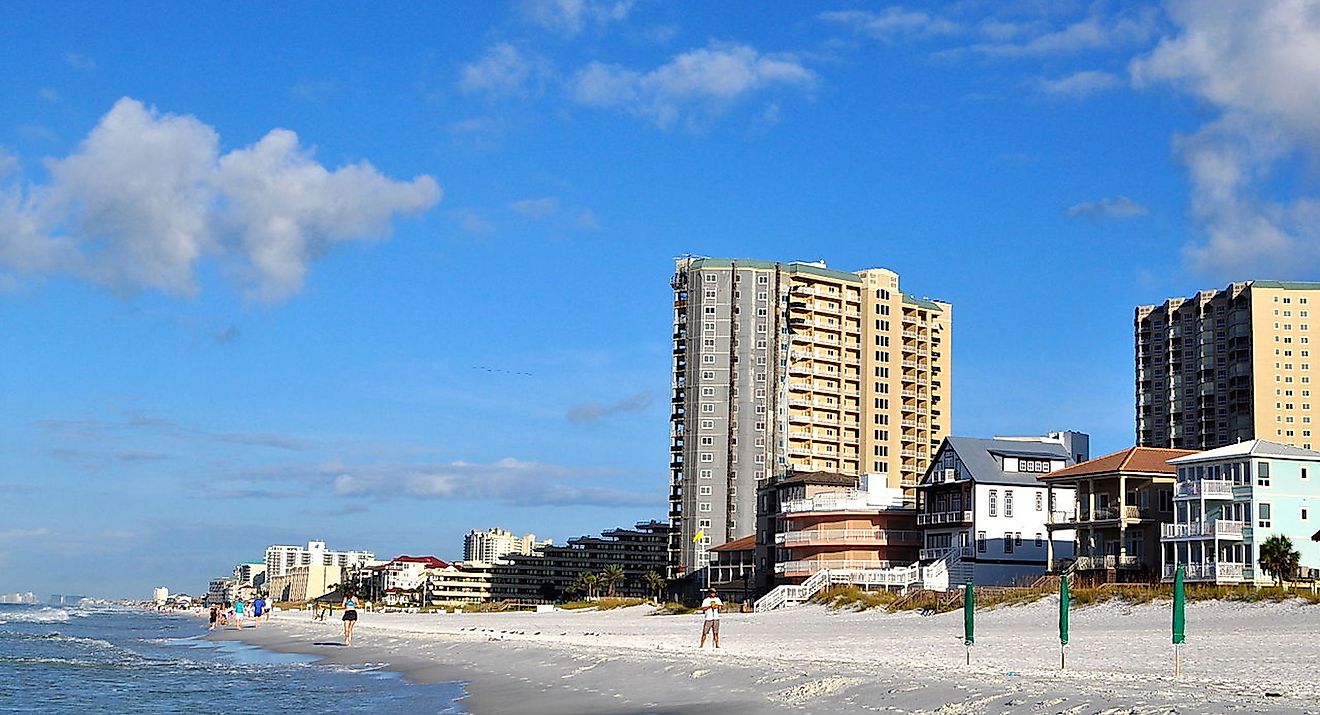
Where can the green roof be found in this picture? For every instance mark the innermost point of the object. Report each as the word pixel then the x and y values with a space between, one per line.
pixel 922 302
pixel 1286 285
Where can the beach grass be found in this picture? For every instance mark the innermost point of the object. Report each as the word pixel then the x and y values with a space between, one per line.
pixel 854 598
pixel 603 604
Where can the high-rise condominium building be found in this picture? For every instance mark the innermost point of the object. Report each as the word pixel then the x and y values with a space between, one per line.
pixel 493 544
pixel 280 559
pixel 1225 366
pixel 784 367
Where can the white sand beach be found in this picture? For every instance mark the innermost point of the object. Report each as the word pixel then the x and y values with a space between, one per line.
pixel 1238 658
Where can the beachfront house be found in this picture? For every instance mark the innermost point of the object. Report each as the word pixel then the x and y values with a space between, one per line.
pixel 1122 501
pixel 983 510
pixel 1228 501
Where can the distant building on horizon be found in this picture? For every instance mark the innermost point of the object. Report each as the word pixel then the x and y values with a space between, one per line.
pixel 795 367
pixel 17 598
pixel 281 559
pixel 1224 366
pixel 549 574
pixel 493 545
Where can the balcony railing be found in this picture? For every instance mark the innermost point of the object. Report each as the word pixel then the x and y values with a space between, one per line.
pixel 1215 528
pixel 813 565
pixel 847 501
pixel 1210 571
pixel 938 552
pixel 848 536
pixel 1109 561
pixel 943 517
pixel 1207 488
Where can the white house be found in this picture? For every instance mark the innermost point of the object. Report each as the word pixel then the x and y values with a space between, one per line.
pixel 982 500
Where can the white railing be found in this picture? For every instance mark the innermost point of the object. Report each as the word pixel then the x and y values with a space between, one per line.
pixel 1215 528
pixel 814 565
pixel 943 517
pixel 1208 571
pixel 1109 561
pixel 939 552
pixel 935 577
pixel 1208 488
pixel 839 501
pixel 831 536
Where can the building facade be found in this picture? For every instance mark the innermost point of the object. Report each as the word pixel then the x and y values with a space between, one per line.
pixel 1229 501
pixel 493 545
pixel 1123 501
pixel 783 367
pixel 280 559
pixel 303 583
pixel 982 501
pixel 1226 366
pixel 548 574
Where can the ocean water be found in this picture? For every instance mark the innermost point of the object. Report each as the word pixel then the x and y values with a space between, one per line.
pixel 81 660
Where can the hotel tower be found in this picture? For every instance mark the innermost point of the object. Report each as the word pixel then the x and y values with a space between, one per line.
pixel 1225 366
pixel 795 367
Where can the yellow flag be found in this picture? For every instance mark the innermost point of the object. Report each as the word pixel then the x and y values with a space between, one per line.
pixel 700 535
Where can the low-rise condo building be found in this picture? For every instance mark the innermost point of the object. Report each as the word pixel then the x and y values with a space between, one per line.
pixel 550 573
pixel 1122 501
pixel 733 568
pixel 1229 501
pixel 983 509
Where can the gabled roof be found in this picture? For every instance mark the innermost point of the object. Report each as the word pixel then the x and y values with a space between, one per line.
pixel 978 456
pixel 1250 448
pixel 429 562
pixel 743 544
pixel 1144 460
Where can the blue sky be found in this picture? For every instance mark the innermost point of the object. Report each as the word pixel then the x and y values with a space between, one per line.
pixel 332 271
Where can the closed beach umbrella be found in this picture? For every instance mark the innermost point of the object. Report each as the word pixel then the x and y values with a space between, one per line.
pixel 1179 619
pixel 969 619
pixel 1063 620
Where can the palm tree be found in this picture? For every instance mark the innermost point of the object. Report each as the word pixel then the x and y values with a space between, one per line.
pixel 655 583
pixel 591 581
pixel 1279 558
pixel 612 576
pixel 579 585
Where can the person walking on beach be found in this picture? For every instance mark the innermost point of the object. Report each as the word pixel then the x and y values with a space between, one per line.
pixel 258 608
pixel 238 612
pixel 711 607
pixel 215 616
pixel 350 605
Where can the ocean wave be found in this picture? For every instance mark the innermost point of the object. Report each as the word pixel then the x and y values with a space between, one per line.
pixel 41 615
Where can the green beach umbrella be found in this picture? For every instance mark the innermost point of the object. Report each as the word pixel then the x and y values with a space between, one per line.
pixel 1063 620
pixel 969 619
pixel 1179 619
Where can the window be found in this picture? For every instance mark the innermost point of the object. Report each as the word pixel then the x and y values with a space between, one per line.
pixel 705 491
pixel 710 310
pixel 980 542
pixel 708 407
pixel 708 359
pixel 707 457
pixel 708 374
pixel 708 392
pixel 1263 474
pixel 1039 541
pixel 1008 503
pixel 1040 503
pixel 707 474
pixel 703 524
pixel 1263 520
pixel 708 424
pixel 1306 434
pixel 1008 543
pixel 710 277
pixel 994 502
pixel 707 441
pixel 1305 515
pixel 703 506
pixel 1017 538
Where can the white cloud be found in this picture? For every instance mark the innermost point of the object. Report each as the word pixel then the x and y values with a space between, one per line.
pixel 1096 31
pixel 147 196
pixel 891 22
pixel 571 17
pixel 470 221
pixel 1115 207
pixel 1253 62
pixel 695 84
pixel 79 61
pixel 502 71
pixel 536 208
pixel 22 534
pixel 1080 84
pixel 587 220
pixel 508 481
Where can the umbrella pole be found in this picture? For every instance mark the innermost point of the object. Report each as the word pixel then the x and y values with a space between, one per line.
pixel 1063 658
pixel 1177 660
pixel 969 654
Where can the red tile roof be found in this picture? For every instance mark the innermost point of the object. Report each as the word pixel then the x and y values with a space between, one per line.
pixel 430 562
pixel 1133 459
pixel 743 544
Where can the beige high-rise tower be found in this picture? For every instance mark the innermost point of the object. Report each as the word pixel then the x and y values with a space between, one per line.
pixel 795 366
pixel 1225 366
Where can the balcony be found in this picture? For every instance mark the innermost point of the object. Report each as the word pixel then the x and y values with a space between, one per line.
pixel 944 517
pixel 806 568
pixel 1112 513
pixel 1213 529
pixel 939 552
pixel 847 501
pixel 861 537
pixel 1216 571
pixel 1110 561
pixel 1204 489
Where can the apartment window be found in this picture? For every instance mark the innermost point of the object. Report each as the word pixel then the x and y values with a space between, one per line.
pixel 980 542
pixel 708 407
pixel 703 506
pixel 705 491
pixel 1017 538
pixel 708 359
pixel 707 374
pixel 708 424
pixel 1008 503
pixel 1263 513
pixel 703 524
pixel 710 310
pixel 707 392
pixel 1040 503
pixel 1305 514
pixel 707 441
pixel 707 473
pixel 761 295
pixel 1304 474
pixel 1263 474
pixel 1039 541
pixel 994 502
pixel 763 280
pixel 1008 543
pixel 707 457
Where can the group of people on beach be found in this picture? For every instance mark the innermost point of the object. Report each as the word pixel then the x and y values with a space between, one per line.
pixel 233 614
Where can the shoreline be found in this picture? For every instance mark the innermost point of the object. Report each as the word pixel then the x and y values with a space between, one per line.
pixel 1240 657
